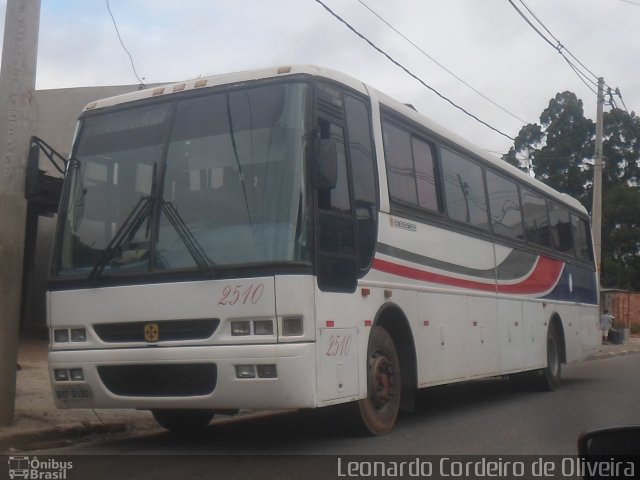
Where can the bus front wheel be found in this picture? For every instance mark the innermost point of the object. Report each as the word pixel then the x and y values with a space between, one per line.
pixel 182 421
pixel 379 411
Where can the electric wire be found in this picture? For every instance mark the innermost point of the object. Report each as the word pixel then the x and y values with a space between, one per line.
pixel 122 43
pixel 580 76
pixel 417 47
pixel 621 99
pixel 630 2
pixel 583 73
pixel 408 72
pixel 560 46
pixel 557 46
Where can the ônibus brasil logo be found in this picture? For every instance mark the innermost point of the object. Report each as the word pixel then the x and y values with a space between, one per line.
pixel 32 468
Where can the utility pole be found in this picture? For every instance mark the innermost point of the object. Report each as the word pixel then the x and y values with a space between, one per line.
pixel 17 86
pixel 596 211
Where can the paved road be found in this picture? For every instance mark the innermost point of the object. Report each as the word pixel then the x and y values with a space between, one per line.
pixel 479 418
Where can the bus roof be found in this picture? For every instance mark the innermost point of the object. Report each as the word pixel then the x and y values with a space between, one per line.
pixel 273 72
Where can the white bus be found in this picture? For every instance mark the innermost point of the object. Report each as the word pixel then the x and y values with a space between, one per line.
pixel 292 238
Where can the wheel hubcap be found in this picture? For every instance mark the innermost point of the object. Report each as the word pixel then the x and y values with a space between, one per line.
pixel 383 380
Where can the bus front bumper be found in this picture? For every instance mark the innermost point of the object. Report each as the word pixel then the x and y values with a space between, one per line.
pixel 200 377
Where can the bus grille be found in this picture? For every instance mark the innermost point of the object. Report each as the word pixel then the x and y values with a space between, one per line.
pixel 168 330
pixel 184 380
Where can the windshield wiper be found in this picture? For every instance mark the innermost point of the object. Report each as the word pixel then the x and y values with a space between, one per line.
pixel 134 221
pixel 204 263
pixel 128 228
pixel 141 211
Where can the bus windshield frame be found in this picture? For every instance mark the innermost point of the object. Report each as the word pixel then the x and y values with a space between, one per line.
pixel 189 184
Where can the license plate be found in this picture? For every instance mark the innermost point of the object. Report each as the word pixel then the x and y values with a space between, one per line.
pixel 73 393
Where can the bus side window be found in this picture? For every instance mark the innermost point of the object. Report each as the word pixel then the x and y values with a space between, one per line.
pixel 582 238
pixel 364 176
pixel 504 204
pixel 464 190
pixel 425 170
pixel 536 220
pixel 560 228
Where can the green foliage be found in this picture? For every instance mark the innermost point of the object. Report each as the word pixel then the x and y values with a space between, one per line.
pixel 559 151
pixel 621 236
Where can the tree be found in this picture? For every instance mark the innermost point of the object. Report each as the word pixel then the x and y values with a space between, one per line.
pixel 557 150
pixel 621 147
pixel 621 237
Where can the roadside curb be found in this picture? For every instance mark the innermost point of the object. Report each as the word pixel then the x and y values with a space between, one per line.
pixel 611 354
pixel 50 437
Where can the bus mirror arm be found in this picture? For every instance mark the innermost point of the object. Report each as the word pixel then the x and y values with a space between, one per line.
pixel 327 168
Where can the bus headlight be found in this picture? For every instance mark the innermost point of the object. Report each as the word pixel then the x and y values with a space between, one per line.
pixel 78 335
pixel 267 371
pixel 292 327
pixel 240 328
pixel 245 371
pixel 61 336
pixel 263 327
pixel 76 375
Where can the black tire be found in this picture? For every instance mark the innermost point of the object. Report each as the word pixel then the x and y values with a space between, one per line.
pixel 379 411
pixel 183 421
pixel 549 377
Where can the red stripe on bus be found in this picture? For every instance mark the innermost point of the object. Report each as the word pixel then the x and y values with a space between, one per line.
pixel 544 276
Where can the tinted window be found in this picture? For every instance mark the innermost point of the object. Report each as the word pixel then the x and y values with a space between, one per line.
pixel 464 190
pixel 364 177
pixel 504 203
pixel 582 238
pixel 400 174
pixel 560 228
pixel 536 221
pixel 425 174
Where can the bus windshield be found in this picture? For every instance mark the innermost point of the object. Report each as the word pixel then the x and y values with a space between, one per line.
pixel 215 180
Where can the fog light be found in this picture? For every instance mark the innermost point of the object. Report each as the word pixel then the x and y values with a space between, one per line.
pixel 78 335
pixel 245 371
pixel 240 328
pixel 61 336
pixel 292 326
pixel 267 371
pixel 61 375
pixel 263 327
pixel 76 374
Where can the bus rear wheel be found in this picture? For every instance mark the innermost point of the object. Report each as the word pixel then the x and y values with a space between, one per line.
pixel 183 421
pixel 549 377
pixel 379 411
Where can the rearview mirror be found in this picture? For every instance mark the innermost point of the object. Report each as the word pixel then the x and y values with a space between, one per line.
pixel 623 440
pixel 31 186
pixel 327 167
pixel 604 448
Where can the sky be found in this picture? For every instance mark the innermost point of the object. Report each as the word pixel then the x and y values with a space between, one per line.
pixel 485 43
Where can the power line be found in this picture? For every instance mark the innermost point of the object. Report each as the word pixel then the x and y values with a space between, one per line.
pixel 617 91
pixel 560 47
pixel 581 76
pixel 122 43
pixel 438 63
pixel 630 2
pixel 408 72
pixel 556 46
pixel 585 75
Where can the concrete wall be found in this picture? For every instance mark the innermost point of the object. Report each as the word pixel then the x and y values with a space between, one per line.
pixel 56 114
